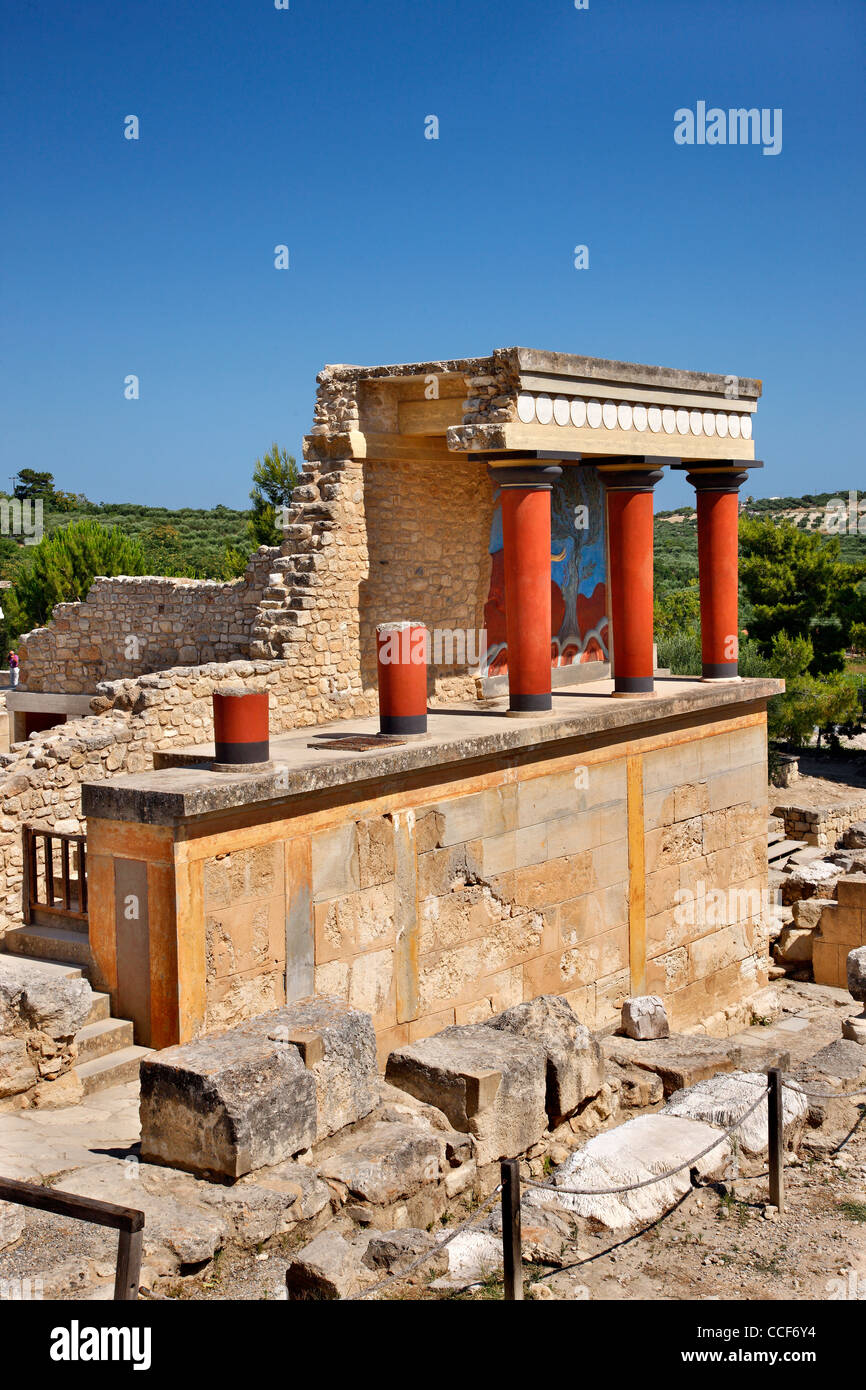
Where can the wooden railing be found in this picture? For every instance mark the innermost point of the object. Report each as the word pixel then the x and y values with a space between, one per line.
pixel 55 875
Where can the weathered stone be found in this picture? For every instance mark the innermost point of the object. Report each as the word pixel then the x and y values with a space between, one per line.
pixel 856 964
pixel 637 1088
pixel 575 1064
pixel 855 836
pixel 31 999
pixel 12 1220
pixel 338 1045
pixel 794 946
pixel 17 1072
pixel 226 1104
pixel 641 1148
pixel 390 1252
pixel 382 1163
pixel 487 1082
pixel 806 879
pixel 854 1029
pixel 328 1268
pixel 473 1256
pixel 720 1099
pixel 807 911
pixel 644 1017
pixel 680 1060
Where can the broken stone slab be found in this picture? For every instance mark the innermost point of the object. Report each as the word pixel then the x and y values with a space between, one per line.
pixel 390 1252
pixel 330 1267
pixel 642 1148
pixel 680 1060
pixel 720 1099
pixel 644 1017
pixel 575 1063
pixel 841 1060
pixel 338 1045
pixel 382 1163
pixel 226 1104
pixel 305 1195
pixel 489 1083
pixel 638 1088
pixel 806 879
pixel 855 836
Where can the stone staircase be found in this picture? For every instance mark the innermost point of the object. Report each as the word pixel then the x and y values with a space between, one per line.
pixel 107 1053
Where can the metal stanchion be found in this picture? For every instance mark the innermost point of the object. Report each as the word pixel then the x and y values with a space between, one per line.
pixel 512 1256
pixel 777 1138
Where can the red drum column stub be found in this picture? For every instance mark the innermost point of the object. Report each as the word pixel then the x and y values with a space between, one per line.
pixel 718 509
pixel 241 730
pixel 630 557
pixel 525 502
pixel 401 657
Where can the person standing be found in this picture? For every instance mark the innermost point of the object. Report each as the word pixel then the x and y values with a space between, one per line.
pixel 13 668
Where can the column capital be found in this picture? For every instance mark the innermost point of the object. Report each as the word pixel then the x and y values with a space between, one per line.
pixel 722 475
pixel 629 477
pixel 526 474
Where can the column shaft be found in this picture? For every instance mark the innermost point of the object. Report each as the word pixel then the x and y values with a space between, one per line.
pixel 718 569
pixel 630 551
pixel 525 502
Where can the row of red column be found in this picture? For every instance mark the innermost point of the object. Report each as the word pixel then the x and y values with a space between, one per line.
pixel 525 500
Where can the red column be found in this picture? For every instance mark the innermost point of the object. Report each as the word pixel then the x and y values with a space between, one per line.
pixel 718 569
pixel 630 559
pixel 401 655
pixel 525 501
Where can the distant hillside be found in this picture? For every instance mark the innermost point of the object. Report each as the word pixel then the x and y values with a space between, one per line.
pixel 676 538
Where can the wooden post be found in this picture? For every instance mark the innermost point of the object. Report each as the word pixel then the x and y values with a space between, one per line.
pixel 777 1138
pixel 128 1273
pixel 27 877
pixel 512 1256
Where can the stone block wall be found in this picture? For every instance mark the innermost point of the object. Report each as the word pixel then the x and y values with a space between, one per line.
pixel 819 825
pixel 623 866
pixel 842 928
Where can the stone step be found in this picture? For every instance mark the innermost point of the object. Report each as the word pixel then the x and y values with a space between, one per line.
pixel 49 943
pixel 783 849
pixel 41 918
pixel 100 1007
pixel 104 1037
pixel 113 1070
pixel 56 969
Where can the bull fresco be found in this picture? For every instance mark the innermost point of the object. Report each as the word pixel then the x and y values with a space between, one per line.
pixel 578 582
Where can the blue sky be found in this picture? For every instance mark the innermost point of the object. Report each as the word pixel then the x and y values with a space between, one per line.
pixel 306 127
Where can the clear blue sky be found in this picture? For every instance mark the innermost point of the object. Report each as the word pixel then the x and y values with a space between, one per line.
pixel 306 127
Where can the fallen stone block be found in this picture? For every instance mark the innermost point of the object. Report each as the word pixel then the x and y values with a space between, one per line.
pixel 31 999
pixel 338 1045
pixel 473 1256
pixel 720 1099
pixel 391 1252
pixel 330 1267
pixel 642 1148
pixel 806 879
pixel 842 1060
pixel 855 836
pixel 680 1060
pixel 638 1088
pixel 807 911
pixel 575 1063
pixel 382 1163
pixel 226 1104
pixel 489 1084
pixel 17 1072
pixel 856 964
pixel 794 946
pixel 644 1017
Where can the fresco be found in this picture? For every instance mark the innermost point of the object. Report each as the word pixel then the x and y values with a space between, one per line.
pixel 578 587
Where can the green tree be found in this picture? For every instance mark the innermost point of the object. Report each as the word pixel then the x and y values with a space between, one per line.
pixel 274 478
pixel 676 611
pixel 30 483
pixel 796 584
pixel 809 701
pixel 62 567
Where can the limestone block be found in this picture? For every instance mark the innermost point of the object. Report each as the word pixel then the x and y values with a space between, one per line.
pixel 386 1161
pixel 488 1083
pixel 794 946
pixel 226 1104
pixel 856 965
pixel 31 999
pixel 574 1060
pixel 807 879
pixel 720 1099
pixel 680 1060
pixel 389 1252
pixel 807 911
pixel 855 835
pixel 338 1045
pixel 644 1016
pixel 17 1072
pixel 328 1268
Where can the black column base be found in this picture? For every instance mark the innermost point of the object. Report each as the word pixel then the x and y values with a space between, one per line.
pixel 633 685
pixel 719 670
pixel 530 704
pixel 241 753
pixel 403 723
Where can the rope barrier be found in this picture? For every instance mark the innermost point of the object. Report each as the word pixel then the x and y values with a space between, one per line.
pixel 428 1254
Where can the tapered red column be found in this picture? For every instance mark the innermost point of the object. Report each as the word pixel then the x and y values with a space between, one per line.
pixel 630 558
pixel 718 510
pixel 525 502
